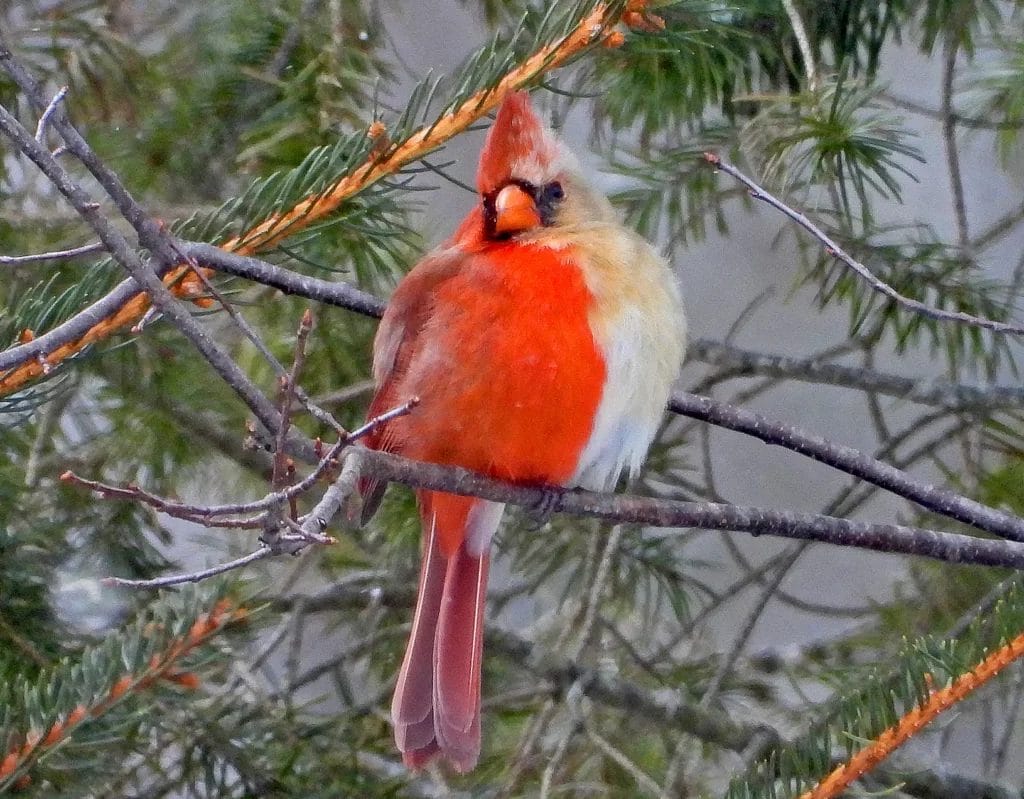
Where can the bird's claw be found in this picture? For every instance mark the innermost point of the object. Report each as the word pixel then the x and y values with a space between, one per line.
pixel 540 512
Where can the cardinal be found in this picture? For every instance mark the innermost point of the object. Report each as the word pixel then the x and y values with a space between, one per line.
pixel 542 339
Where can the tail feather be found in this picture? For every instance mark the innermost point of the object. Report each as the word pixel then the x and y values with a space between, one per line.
pixel 413 703
pixel 436 708
pixel 458 654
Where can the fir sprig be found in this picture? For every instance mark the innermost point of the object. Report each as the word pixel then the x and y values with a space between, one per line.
pixel 40 715
pixel 930 674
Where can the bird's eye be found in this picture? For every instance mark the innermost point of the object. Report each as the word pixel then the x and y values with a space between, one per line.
pixel 553 192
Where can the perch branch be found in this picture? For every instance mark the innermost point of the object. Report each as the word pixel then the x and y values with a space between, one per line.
pixel 622 508
pixel 850 460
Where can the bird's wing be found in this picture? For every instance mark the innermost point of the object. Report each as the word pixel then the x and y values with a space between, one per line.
pixel 407 313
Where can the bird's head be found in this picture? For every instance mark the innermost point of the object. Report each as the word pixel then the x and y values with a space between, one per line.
pixel 528 180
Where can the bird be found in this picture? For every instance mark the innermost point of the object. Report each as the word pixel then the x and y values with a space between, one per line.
pixel 542 339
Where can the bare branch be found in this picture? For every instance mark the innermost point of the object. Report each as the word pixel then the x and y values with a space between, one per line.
pixel 288 382
pixel 56 255
pixel 852 461
pixel 927 391
pixel 208 514
pixel 192 577
pixel 330 292
pixel 833 249
pixel 893 538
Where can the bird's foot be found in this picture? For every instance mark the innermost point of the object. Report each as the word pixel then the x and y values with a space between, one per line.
pixel 541 511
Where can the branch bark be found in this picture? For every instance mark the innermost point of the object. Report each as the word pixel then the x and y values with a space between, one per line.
pixel 893 538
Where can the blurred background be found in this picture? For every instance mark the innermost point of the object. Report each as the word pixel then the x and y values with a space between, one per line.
pixel 893 125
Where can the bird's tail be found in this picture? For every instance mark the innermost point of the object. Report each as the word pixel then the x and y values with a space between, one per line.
pixel 436 708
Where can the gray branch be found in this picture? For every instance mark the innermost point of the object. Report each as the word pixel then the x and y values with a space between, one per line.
pixel 833 249
pixel 893 538
pixel 926 391
pixel 850 460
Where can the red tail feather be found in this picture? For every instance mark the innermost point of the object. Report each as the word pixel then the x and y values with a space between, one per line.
pixel 436 709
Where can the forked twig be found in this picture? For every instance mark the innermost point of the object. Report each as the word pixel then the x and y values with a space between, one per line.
pixel 282 534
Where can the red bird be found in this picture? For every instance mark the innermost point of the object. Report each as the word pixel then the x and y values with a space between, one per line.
pixel 542 339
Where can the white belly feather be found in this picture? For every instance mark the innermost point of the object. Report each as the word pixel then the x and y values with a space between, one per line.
pixel 638 323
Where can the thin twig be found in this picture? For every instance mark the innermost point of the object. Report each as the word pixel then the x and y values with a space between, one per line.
pixel 927 391
pixel 617 756
pixel 202 513
pixel 48 112
pixel 192 577
pixel 961 119
pixel 56 255
pixel 554 764
pixel 833 249
pixel 729 659
pixel 288 382
pixel 315 410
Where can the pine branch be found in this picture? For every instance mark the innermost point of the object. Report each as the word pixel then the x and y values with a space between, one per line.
pixel 889 704
pixel 874 282
pixel 115 242
pixel 41 716
pixel 915 720
pixel 595 25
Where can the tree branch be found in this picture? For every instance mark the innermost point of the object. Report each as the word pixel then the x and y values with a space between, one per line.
pixel 850 460
pixel 125 255
pixel 592 29
pixel 57 255
pixel 330 292
pixel 927 391
pixel 949 547
pixel 833 249
pixel 914 720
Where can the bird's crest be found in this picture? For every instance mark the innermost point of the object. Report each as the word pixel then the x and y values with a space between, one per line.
pixel 519 146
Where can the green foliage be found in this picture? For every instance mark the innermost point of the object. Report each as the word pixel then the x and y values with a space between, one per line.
pixel 86 681
pixel 674 196
pixel 994 91
pixel 836 138
pixel 921 267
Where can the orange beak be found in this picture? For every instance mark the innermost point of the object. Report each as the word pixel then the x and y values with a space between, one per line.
pixel 515 210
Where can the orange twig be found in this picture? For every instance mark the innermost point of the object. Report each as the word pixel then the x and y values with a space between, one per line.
pixel 161 667
pixel 595 27
pixel 912 722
